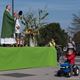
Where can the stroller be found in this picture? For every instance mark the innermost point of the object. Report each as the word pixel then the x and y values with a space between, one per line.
pixel 65 70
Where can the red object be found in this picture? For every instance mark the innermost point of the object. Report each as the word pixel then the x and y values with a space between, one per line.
pixel 15 13
pixel 71 58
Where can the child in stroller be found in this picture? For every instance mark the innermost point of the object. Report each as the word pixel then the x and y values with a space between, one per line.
pixel 68 68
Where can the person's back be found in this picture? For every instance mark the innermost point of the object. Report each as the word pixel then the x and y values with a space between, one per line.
pixel 21 21
pixel 17 26
pixel 17 29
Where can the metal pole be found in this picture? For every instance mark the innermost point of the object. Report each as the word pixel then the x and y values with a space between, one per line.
pixel 12 7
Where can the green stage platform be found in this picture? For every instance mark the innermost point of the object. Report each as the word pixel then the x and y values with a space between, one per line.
pixel 27 57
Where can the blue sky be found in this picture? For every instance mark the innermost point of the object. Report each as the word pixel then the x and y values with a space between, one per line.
pixel 59 10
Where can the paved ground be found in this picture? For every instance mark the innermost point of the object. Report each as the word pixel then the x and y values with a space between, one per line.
pixel 33 74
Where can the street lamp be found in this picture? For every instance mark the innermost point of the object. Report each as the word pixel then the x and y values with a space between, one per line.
pixel 12 7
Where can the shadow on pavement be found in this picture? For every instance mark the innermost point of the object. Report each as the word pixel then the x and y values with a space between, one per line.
pixel 17 75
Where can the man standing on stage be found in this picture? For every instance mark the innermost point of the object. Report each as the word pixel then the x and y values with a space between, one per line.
pixel 8 27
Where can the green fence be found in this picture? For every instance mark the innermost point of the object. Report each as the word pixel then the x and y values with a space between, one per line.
pixel 27 57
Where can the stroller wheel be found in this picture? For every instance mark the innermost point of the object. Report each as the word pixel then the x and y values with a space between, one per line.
pixel 68 74
pixel 76 72
pixel 59 73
